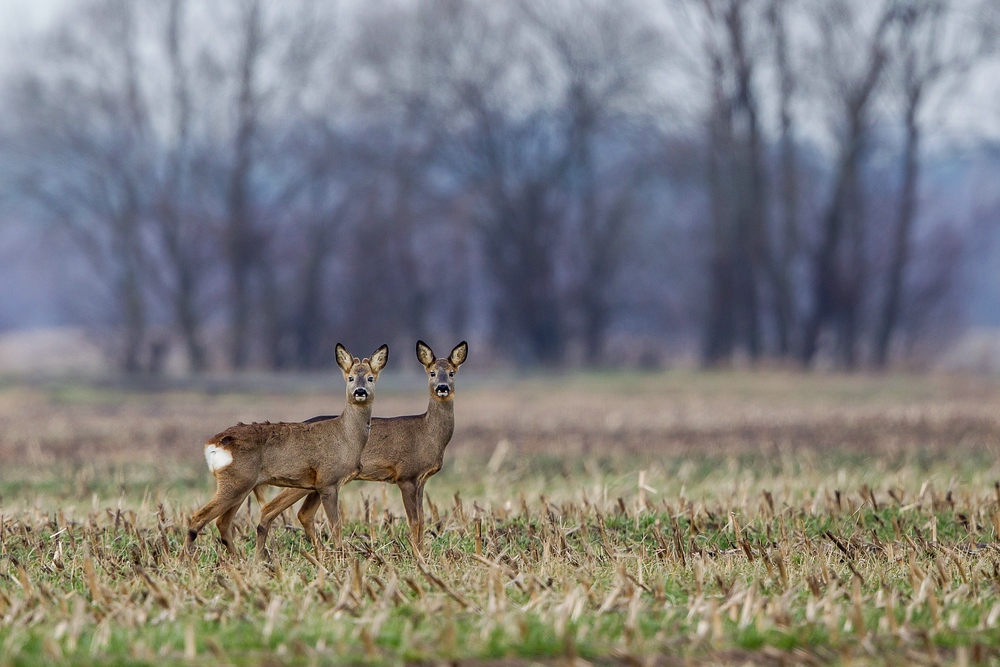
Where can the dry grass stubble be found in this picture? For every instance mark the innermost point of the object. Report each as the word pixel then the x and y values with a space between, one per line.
pixel 723 518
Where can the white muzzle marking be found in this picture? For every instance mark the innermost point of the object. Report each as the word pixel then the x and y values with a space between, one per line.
pixel 217 457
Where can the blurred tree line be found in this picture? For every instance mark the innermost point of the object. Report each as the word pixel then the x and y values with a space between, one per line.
pixel 252 181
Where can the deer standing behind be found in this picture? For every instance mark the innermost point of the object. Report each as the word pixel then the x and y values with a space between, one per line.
pixel 320 456
pixel 405 451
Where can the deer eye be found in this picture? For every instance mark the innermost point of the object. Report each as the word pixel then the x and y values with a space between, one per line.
pixel 350 378
pixel 433 374
pixel 451 374
pixel 371 378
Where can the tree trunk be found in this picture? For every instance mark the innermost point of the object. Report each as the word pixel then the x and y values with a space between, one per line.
pixel 273 320
pixel 134 320
pixel 129 239
pixel 750 190
pixel 825 274
pixel 901 240
pixel 190 321
pixel 736 176
pixel 241 245
pixel 720 326
pixel 128 258
pixel 184 265
pixel 828 282
pixel 787 246
pixel 307 324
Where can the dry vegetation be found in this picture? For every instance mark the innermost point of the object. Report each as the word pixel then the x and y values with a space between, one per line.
pixel 662 519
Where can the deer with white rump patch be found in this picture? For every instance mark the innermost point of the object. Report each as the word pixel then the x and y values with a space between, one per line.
pixel 405 451
pixel 320 456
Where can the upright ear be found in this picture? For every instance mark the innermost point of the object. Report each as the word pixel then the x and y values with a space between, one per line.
pixel 425 354
pixel 458 355
pixel 344 358
pixel 379 358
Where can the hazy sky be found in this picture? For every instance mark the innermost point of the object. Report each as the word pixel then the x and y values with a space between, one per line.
pixel 25 16
pixel 19 19
pixel 977 117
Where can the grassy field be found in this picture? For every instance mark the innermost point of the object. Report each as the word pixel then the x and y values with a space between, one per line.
pixel 676 518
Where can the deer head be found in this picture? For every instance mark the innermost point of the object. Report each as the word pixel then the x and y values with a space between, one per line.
pixel 441 372
pixel 361 374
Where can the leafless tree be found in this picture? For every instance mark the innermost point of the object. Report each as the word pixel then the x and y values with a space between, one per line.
pixel 786 247
pixel 605 60
pixel 243 244
pixel 398 91
pixel 736 181
pixel 275 67
pixel 556 173
pixel 854 48
pixel 513 162
pixel 936 44
pixel 178 227
pixel 84 139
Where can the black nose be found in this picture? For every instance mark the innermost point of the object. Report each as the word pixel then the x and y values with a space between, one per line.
pixel 360 393
pixel 443 389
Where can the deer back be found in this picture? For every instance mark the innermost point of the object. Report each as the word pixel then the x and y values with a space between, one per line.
pixel 291 454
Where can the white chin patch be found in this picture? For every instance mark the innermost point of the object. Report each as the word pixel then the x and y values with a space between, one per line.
pixel 217 457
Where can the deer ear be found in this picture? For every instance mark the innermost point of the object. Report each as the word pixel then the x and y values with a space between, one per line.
pixel 379 359
pixel 344 358
pixel 458 355
pixel 424 353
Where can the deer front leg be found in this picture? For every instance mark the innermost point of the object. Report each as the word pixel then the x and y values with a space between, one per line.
pixel 270 511
pixel 408 489
pixel 307 517
pixel 330 495
pixel 258 493
pixel 420 509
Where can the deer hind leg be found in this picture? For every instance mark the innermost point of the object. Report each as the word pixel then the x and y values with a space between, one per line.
pixel 270 511
pixel 227 496
pixel 408 489
pixel 225 525
pixel 307 517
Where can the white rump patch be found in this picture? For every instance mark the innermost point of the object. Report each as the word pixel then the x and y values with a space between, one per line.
pixel 217 457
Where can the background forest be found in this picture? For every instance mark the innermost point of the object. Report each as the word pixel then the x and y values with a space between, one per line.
pixel 241 184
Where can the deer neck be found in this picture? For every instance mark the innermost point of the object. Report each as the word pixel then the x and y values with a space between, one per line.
pixel 440 422
pixel 357 421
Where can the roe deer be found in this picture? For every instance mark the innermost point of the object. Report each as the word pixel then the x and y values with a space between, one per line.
pixel 404 451
pixel 321 456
